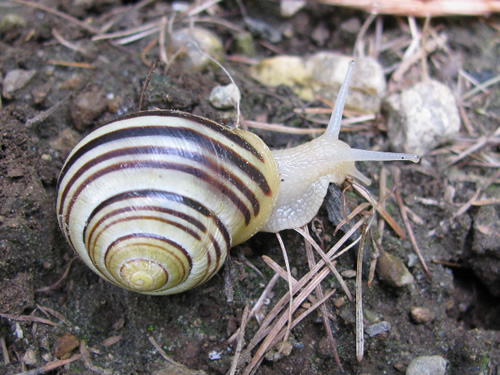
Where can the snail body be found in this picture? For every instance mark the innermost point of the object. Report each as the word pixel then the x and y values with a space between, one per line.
pixel 153 201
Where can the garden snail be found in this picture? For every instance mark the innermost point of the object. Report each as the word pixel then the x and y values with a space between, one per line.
pixel 153 201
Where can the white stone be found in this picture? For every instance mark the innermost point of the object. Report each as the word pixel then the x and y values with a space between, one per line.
pixel 427 365
pixel 422 117
pixel 16 79
pixel 289 7
pixel 224 97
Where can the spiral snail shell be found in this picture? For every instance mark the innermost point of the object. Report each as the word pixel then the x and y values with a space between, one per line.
pixel 153 201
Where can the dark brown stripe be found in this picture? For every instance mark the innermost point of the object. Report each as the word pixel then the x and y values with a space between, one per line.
pixel 206 275
pixel 161 165
pixel 202 140
pixel 89 244
pixel 148 150
pixel 188 202
pixel 135 209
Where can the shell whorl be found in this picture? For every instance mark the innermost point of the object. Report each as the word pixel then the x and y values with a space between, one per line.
pixel 153 201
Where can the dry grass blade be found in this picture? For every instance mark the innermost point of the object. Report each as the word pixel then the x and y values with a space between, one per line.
pixel 58 282
pixel 68 44
pixel 51 366
pixel 360 338
pixel 373 264
pixel 162 352
pixel 363 206
pixel 289 280
pixel 481 87
pixel 202 7
pixel 387 217
pixel 111 341
pixel 57 314
pixel 29 318
pixel 153 26
pixel 323 308
pixel 281 128
pixel 276 333
pixel 57 13
pixel 486 202
pixel 479 143
pixel 329 263
pixel 358 50
pixel 483 186
pixel 72 64
pixel 264 295
pixel 137 36
pixel 308 282
pixel 241 336
pixel 258 304
pixel 162 42
pixel 5 351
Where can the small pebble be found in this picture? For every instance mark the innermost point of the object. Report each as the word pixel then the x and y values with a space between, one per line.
pixel 29 358
pixel 348 274
pixel 16 79
pixel 427 365
pixel 86 106
pixel 282 349
pixel 39 93
pixel 12 23
pixel 215 355
pixel 195 48
pixel 65 345
pixel 324 348
pixel 422 117
pixel 289 7
pixel 392 270
pixel 377 328
pixel 262 29
pixel 281 70
pixel 245 44
pixel 421 315
pixel 224 97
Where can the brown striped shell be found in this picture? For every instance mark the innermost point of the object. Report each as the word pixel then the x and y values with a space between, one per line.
pixel 153 201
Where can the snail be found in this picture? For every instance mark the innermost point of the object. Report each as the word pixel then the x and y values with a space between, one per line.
pixel 154 200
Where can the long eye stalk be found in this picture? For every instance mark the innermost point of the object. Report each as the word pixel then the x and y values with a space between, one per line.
pixel 334 124
pixel 333 128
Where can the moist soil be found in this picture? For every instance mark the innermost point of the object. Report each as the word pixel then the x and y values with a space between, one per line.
pixel 40 276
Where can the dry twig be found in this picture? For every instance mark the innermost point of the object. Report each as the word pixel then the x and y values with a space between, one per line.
pixel 29 318
pixel 5 351
pixel 58 282
pixel 422 8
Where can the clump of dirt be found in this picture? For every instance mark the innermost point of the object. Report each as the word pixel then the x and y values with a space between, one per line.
pixel 46 294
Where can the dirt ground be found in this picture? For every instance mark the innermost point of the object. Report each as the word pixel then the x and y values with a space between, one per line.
pixel 41 121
